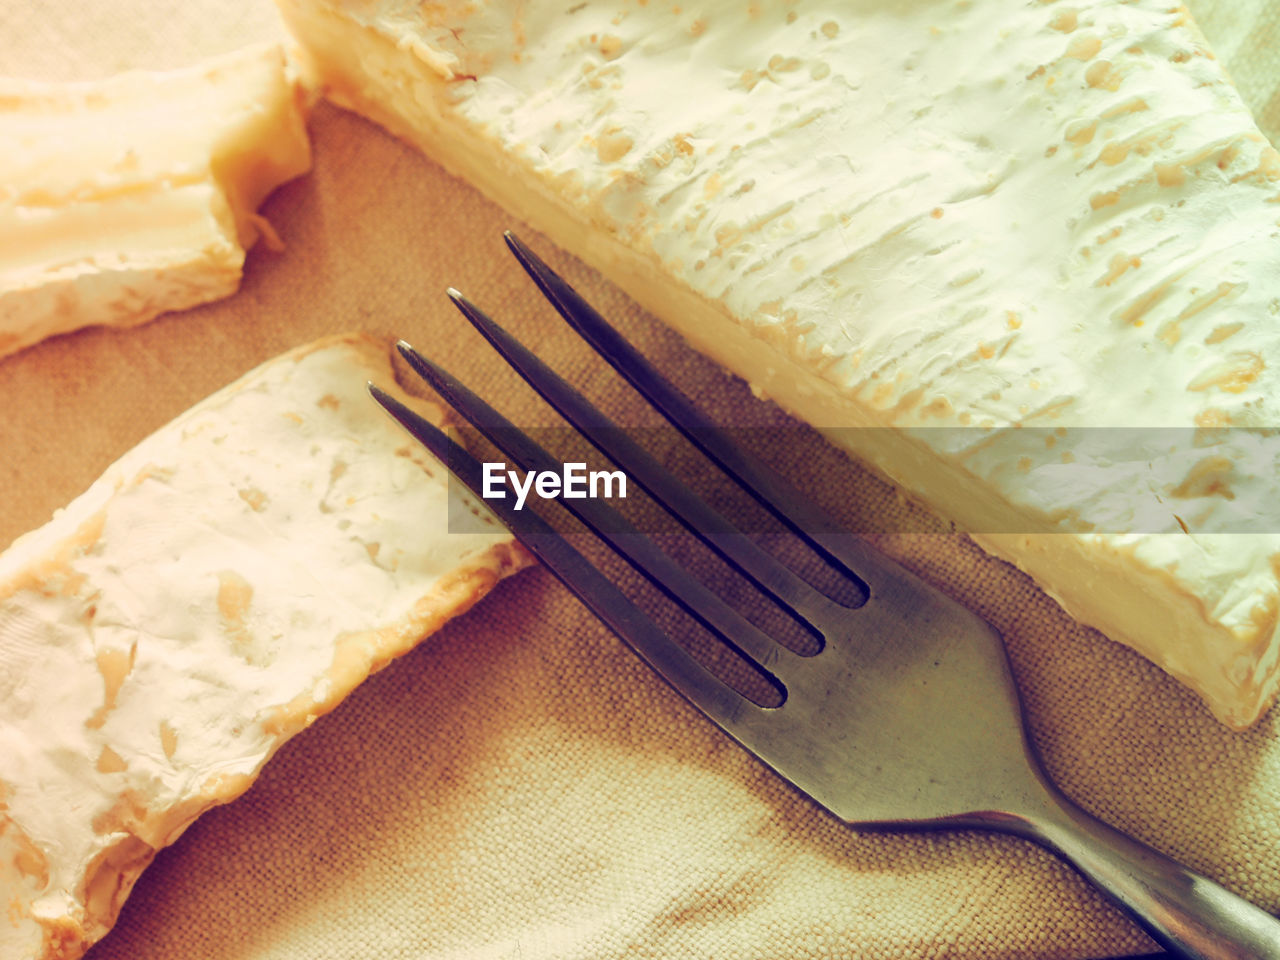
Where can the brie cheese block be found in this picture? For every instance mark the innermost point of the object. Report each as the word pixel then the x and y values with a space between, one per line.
pixel 945 234
pixel 127 197
pixel 223 584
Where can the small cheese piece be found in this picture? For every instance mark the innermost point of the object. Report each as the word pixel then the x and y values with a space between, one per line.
pixel 226 582
pixel 127 197
pixel 940 233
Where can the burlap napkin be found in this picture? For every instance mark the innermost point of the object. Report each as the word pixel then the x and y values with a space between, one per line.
pixel 520 787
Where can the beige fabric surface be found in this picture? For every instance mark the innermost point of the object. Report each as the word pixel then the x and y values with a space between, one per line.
pixel 520 786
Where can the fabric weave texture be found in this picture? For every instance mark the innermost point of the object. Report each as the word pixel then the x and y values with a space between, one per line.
pixel 521 786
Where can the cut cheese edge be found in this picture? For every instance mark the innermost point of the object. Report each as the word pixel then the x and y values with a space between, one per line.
pixel 128 197
pixel 922 229
pixel 223 584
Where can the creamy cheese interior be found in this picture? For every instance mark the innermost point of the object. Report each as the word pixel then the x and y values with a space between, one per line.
pixel 223 584
pixel 123 198
pixel 965 225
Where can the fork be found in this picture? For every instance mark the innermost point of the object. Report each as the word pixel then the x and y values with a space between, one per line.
pixel 906 718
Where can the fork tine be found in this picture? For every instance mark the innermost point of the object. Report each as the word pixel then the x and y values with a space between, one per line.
pixel 763 483
pixel 809 606
pixel 685 674
pixel 637 549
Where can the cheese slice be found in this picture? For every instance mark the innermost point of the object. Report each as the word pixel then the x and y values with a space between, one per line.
pixel 127 197
pixel 943 233
pixel 223 584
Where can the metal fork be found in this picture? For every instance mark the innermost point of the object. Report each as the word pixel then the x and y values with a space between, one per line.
pixel 907 718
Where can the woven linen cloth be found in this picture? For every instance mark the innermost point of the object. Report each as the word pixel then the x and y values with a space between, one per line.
pixel 521 786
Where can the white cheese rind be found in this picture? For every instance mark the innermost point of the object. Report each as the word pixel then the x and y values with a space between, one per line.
pixel 950 223
pixel 224 583
pixel 124 198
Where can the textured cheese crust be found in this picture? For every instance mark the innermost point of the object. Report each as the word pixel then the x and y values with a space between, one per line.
pixel 124 198
pixel 945 221
pixel 226 582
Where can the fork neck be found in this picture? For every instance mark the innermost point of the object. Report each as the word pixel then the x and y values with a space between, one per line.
pixel 1030 806
pixel 1188 914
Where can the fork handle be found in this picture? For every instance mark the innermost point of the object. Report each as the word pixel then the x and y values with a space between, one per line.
pixel 1188 914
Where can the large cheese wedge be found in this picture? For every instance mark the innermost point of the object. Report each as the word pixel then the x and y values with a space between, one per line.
pixel 942 232
pixel 223 584
pixel 127 197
